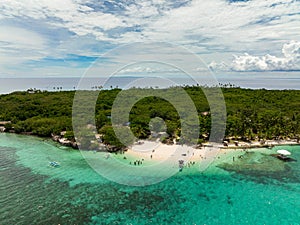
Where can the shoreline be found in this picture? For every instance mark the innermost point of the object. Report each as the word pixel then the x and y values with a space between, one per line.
pixel 150 153
pixel 241 144
pixel 257 144
pixel 167 157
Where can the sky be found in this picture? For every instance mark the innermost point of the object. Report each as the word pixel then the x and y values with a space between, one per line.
pixel 62 38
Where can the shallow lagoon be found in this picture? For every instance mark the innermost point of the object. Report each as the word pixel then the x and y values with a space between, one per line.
pixel 254 189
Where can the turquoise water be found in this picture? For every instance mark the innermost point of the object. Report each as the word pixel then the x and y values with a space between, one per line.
pixel 254 189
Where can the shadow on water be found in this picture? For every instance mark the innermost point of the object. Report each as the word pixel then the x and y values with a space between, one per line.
pixel 262 168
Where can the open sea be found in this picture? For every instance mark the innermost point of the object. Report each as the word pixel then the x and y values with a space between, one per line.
pixel 253 189
pixel 272 80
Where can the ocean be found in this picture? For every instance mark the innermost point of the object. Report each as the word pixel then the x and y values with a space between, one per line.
pixel 254 189
pixel 275 80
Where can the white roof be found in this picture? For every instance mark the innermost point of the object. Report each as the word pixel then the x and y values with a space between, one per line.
pixel 283 152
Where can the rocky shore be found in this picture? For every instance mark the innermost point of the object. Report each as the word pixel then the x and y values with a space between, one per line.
pixel 63 141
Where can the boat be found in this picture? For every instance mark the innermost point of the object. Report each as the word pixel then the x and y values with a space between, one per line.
pixel 54 164
pixel 283 155
pixel 285 158
pixel 283 152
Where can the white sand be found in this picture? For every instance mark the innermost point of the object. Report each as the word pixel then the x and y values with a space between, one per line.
pixel 152 153
pixel 156 152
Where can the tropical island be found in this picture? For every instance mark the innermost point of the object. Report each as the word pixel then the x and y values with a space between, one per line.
pixel 252 116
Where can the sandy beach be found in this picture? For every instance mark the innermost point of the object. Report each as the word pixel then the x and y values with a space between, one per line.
pixel 150 152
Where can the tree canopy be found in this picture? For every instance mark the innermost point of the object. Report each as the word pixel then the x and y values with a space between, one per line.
pixel 251 114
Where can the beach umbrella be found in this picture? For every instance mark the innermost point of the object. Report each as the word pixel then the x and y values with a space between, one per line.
pixel 283 152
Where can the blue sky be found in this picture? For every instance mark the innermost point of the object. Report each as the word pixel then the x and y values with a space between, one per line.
pixel 42 38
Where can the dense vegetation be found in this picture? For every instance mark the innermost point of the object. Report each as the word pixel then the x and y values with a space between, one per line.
pixel 251 114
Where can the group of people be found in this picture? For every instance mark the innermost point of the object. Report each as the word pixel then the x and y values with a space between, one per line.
pixel 137 162
pixel 190 164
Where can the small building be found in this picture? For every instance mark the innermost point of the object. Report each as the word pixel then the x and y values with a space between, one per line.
pixel 3 124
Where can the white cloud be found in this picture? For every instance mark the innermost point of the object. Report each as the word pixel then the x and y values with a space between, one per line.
pixel 292 50
pixel 289 61
pixel 158 20
pixel 214 28
pixel 19 38
pixel 19 45
pixel 218 66
pixel 138 69
pixel 221 22
pixel 68 14
pixel 148 68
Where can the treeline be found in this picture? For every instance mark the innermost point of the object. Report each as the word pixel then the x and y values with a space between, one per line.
pixel 251 114
pixel 40 113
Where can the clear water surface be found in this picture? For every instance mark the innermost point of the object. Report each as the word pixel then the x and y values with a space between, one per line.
pixel 254 189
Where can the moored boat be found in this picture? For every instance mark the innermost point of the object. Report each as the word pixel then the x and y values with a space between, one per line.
pixel 54 164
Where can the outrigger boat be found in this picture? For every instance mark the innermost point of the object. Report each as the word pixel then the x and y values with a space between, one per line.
pixel 284 155
pixel 54 164
pixel 284 158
